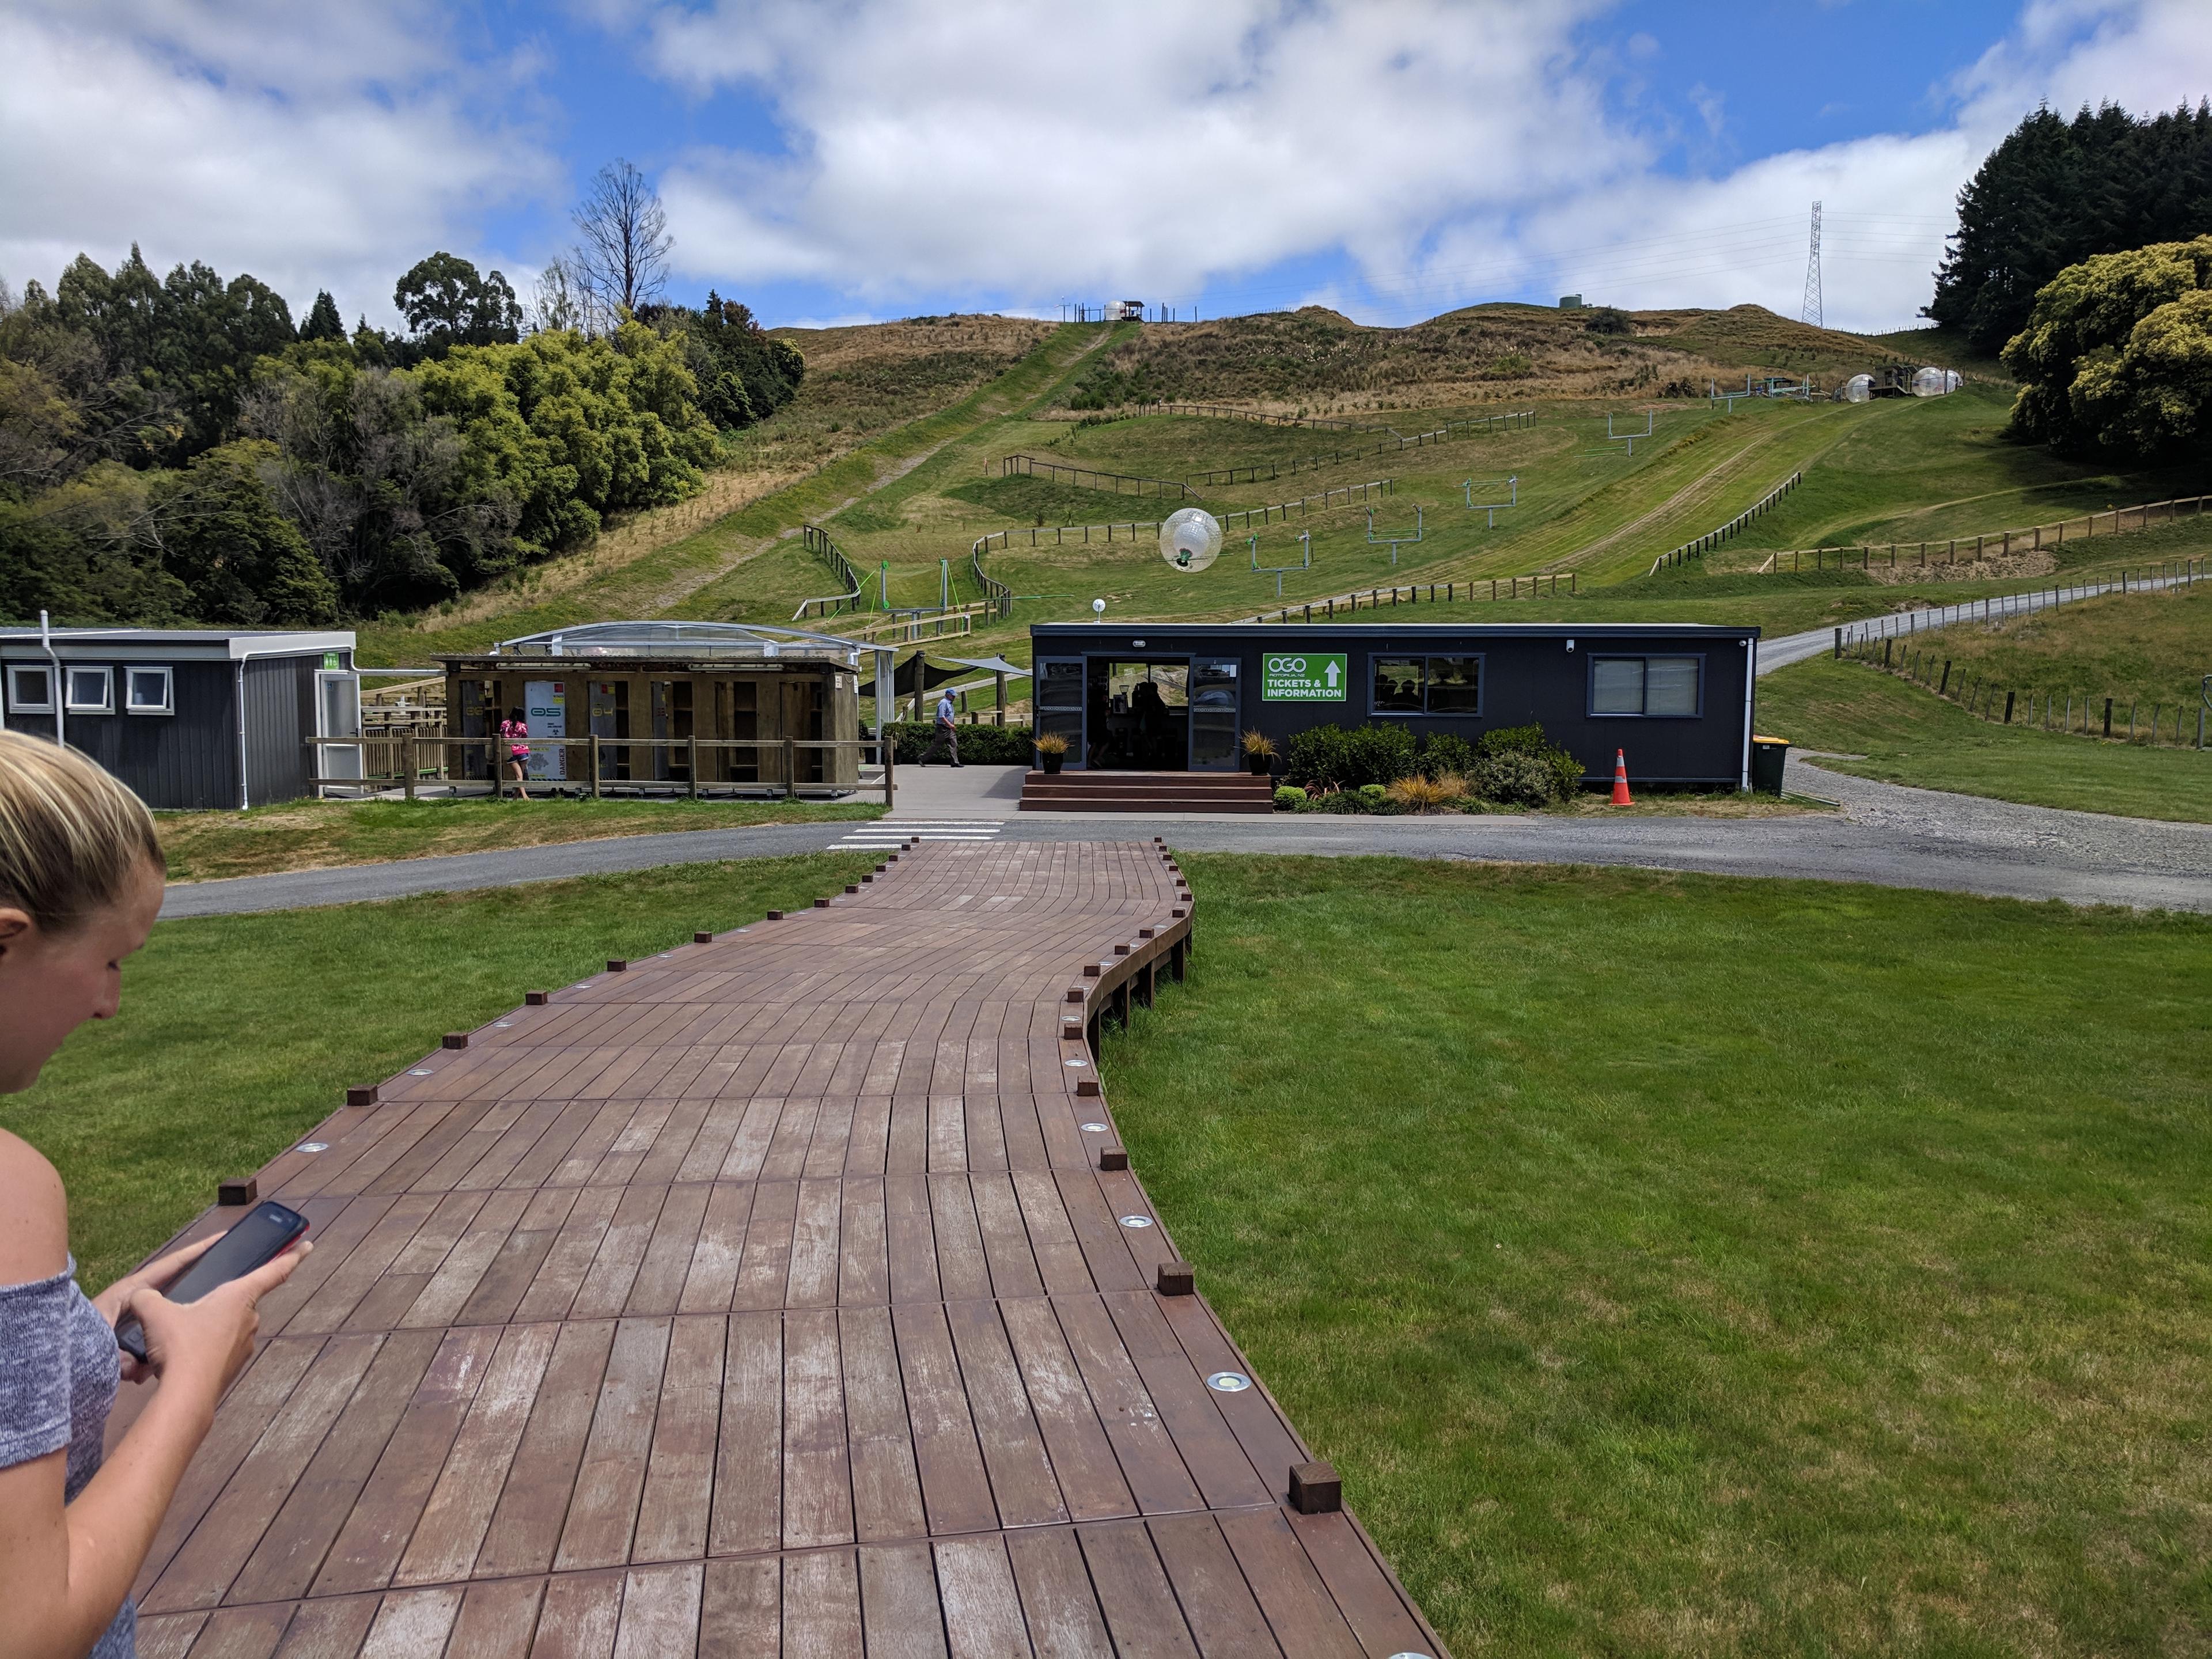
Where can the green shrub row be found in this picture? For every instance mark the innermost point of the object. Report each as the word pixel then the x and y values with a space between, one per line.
pixel 993 745
pixel 1333 769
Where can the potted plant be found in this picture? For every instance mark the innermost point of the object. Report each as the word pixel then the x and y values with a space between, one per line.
pixel 1052 751
pixel 1259 753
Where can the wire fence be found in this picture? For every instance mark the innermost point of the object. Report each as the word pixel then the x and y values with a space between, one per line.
pixel 1893 643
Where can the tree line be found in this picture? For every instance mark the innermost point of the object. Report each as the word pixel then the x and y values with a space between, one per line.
pixel 2056 193
pixel 176 449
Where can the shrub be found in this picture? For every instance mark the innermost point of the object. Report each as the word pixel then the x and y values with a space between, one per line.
pixel 1445 754
pixel 1001 746
pixel 1515 779
pixel 1529 742
pixel 1289 799
pixel 1051 743
pixel 1438 794
pixel 1372 795
pixel 1340 800
pixel 1380 755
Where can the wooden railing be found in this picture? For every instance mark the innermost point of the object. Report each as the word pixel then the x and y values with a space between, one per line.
pixel 403 767
pixel 2120 520
pixel 817 542
pixel 1545 586
pixel 1698 546
pixel 1011 467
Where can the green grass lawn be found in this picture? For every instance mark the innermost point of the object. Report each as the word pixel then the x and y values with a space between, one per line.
pixel 1908 735
pixel 311 835
pixel 237 1033
pixel 1689 1265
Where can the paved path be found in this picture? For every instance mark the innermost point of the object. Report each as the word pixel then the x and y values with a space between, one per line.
pixel 778 1294
pixel 1885 834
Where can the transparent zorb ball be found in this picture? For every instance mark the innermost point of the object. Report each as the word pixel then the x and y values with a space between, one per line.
pixel 1190 540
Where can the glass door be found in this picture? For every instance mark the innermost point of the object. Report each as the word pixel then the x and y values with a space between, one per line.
pixel 1059 703
pixel 338 715
pixel 1214 710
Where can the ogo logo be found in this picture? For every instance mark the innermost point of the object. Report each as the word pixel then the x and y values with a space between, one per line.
pixel 1286 665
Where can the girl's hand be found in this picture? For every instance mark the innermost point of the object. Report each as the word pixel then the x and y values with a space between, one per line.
pixel 115 1300
pixel 203 1345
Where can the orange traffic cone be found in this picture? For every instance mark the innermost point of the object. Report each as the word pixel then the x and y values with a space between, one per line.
pixel 1620 795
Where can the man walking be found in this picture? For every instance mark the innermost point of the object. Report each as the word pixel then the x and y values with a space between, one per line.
pixel 948 734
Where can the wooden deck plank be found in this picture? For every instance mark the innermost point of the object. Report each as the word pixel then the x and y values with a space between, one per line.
pixel 763 1300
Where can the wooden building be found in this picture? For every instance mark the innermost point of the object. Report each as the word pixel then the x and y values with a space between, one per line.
pixel 189 717
pixel 658 695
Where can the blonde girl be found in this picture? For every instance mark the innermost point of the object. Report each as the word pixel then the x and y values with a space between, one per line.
pixel 81 877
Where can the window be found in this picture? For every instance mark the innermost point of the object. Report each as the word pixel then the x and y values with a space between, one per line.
pixel 1654 687
pixel 1427 685
pixel 148 691
pixel 91 691
pixel 31 691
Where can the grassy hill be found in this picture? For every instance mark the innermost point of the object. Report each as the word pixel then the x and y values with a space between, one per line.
pixel 897 448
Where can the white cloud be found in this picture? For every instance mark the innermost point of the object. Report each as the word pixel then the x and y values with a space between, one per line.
pixel 1008 147
pixel 1454 151
pixel 325 146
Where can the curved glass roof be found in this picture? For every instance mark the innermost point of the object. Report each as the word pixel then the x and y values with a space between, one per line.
pixel 679 639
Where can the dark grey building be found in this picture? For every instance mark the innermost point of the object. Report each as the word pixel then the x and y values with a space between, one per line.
pixel 1676 698
pixel 188 717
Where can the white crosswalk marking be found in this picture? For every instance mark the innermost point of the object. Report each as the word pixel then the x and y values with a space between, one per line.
pixel 890 832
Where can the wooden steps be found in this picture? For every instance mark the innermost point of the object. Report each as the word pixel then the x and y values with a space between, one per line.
pixel 1146 792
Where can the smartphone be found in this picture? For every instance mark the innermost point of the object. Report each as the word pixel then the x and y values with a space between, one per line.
pixel 262 1237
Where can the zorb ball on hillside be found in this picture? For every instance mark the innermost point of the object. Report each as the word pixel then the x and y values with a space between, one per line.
pixel 1190 538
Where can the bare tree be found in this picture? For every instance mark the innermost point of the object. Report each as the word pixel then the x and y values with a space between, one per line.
pixel 624 251
pixel 564 299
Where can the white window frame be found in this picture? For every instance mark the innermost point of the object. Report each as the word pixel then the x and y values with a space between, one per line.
pixel 106 704
pixel 16 705
pixel 132 706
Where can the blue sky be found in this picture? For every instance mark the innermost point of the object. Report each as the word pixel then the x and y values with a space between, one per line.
pixel 854 158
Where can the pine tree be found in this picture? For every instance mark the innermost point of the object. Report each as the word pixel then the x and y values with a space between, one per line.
pixel 323 322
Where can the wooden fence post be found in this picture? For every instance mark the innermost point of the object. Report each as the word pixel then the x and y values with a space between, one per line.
pixel 407 765
pixel 594 761
pixel 790 769
pixel 691 762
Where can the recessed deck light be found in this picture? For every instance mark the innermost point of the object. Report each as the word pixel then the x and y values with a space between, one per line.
pixel 313 1147
pixel 1094 1128
pixel 420 1071
pixel 1070 1062
pixel 1229 1381
pixel 1136 1221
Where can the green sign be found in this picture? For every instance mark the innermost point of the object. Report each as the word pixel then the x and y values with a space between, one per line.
pixel 330 659
pixel 1302 677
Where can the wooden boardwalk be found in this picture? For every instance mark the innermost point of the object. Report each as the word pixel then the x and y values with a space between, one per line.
pixel 786 1294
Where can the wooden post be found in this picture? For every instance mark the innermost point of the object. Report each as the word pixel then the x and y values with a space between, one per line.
pixel 790 769
pixel 498 773
pixel 594 760
pixel 691 747
pixel 2108 718
pixel 407 765
pixel 1946 685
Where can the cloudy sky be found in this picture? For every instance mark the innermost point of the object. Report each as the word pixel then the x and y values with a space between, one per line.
pixel 850 158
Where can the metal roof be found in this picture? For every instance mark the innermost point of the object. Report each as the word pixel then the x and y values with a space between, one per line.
pixel 679 639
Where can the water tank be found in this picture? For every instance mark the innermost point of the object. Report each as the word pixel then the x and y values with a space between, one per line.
pixel 1858 389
